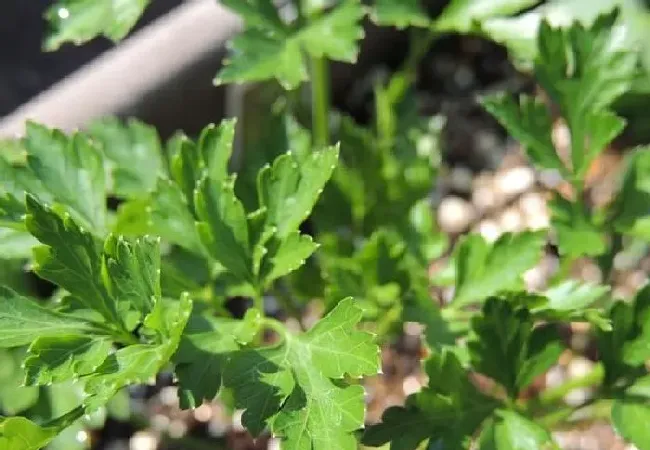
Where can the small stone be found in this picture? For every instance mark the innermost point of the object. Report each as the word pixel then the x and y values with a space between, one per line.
pixel 461 179
pixel 579 367
pixel 533 203
pixel 490 230
pixel 580 341
pixel 484 197
pixel 577 397
pixel 555 376
pixel 413 328
pixel 537 222
pixel 169 396
pixel 591 272
pixel 455 214
pixel 177 429
pixel 203 413
pixel 143 440
pixel 511 220
pixel 515 181
pixel 218 425
pixel 160 422
pixel 561 137
pixel 550 178
pixel 411 385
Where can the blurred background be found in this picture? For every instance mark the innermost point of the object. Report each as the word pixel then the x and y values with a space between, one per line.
pixel 162 74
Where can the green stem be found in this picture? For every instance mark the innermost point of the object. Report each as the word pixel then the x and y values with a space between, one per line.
pixel 118 333
pixel 561 414
pixel 258 301
pixel 421 41
pixel 320 100
pixel 67 419
pixel 557 393
pixel 606 261
pixel 598 408
pixel 386 322
pixel 127 338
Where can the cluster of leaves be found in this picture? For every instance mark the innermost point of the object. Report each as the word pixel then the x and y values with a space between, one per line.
pixel 506 346
pixel 271 46
pixel 583 71
pixel 187 228
pixel 113 325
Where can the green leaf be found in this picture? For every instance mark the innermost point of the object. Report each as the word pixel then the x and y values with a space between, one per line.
pixel 630 419
pixel 631 209
pixel 223 228
pixel 256 56
pixel 208 157
pixel 296 387
pixel 15 180
pixel 572 295
pixel 215 145
pixel 512 431
pixel 335 35
pixel 507 347
pixel 447 412
pixel 53 359
pixel 289 255
pixel 459 16
pixel 137 363
pixel 15 244
pixel 375 275
pixel 573 302
pixel 22 320
pixel 485 269
pixel 530 123
pixel 78 21
pixel 404 427
pixel 15 397
pixel 257 13
pixel 134 152
pixel 182 271
pixel 400 13
pixel 19 433
pixel 577 234
pixel 519 33
pixel 165 213
pixel 203 352
pixel 584 70
pixel 604 127
pixel 71 169
pixel 133 271
pixel 289 190
pixel 70 258
pixel 12 212
pixel 423 238
pixel 623 348
pixel 269 49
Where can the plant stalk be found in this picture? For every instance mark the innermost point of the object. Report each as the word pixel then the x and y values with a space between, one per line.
pixel 557 393
pixel 258 302
pixel 320 101
pixel 421 41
